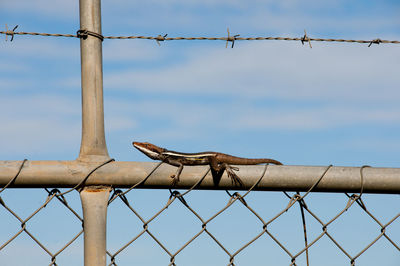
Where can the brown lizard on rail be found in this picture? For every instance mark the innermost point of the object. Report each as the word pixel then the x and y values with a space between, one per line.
pixel 218 162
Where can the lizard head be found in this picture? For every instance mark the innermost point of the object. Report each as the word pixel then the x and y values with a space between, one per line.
pixel 151 150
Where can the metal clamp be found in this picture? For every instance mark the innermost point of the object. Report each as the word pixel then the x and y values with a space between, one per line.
pixel 83 34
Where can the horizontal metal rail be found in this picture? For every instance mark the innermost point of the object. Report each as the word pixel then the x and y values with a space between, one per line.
pixel 68 174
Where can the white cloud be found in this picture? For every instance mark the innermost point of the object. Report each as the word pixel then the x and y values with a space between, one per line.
pixel 35 134
pixel 247 17
pixel 199 117
pixel 286 71
pixel 41 104
pixel 317 118
pixel 341 85
pixel 52 8
pixel 116 123
pixel 38 47
pixel 12 66
pixel 127 50
pixel 38 123
pixel 9 83
pixel 212 15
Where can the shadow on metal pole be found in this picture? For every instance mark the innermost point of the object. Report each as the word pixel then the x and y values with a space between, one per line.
pixel 94 205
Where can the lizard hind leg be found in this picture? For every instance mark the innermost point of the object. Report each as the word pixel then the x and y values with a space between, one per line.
pixel 232 175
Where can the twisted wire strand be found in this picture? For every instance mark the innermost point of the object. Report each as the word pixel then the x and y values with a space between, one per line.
pixel 229 38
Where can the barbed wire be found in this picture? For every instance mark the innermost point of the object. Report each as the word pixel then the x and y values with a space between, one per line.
pixel 82 33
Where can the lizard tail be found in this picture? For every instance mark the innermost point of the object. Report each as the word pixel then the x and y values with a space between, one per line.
pixel 274 162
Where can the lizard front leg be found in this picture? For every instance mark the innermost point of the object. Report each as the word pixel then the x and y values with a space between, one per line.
pixel 218 169
pixel 177 175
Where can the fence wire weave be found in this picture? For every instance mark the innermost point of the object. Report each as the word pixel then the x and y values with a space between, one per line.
pixel 264 223
pixel 82 33
pixel 233 198
pixel 51 194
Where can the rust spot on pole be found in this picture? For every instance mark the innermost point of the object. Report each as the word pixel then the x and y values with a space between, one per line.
pixel 97 188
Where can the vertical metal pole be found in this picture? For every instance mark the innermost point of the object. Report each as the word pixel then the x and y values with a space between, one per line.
pixel 94 204
pixel 93 145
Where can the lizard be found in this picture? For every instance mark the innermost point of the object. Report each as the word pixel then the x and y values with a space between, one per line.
pixel 218 162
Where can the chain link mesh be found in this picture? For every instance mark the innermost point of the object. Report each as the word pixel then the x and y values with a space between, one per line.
pixel 26 221
pixel 264 224
pixel 268 225
pixel 51 195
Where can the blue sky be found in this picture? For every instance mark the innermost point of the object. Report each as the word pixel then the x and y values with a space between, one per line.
pixel 332 104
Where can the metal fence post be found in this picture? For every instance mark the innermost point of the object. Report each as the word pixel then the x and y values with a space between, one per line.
pixel 93 145
pixel 94 205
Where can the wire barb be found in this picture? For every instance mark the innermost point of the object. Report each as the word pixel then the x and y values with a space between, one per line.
pixel 375 41
pixel 160 38
pixel 10 32
pixel 306 39
pixel 231 39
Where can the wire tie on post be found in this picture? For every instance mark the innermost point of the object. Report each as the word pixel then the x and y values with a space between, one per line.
pixel 172 260
pixel 79 187
pixel 83 34
pixel 160 38
pixel 53 260
pixel 231 261
pixel 57 192
pixel 306 39
pixel 15 177
pixel 376 41
pixel 51 194
pixel 231 39
pixel 10 32
pixel 357 197
pixel 178 195
pixel 120 194
pixel 240 198
pixel 293 199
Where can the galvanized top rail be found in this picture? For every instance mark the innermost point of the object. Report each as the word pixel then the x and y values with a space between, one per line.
pixel 69 174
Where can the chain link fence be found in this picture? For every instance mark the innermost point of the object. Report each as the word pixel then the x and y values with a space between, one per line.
pixel 193 227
